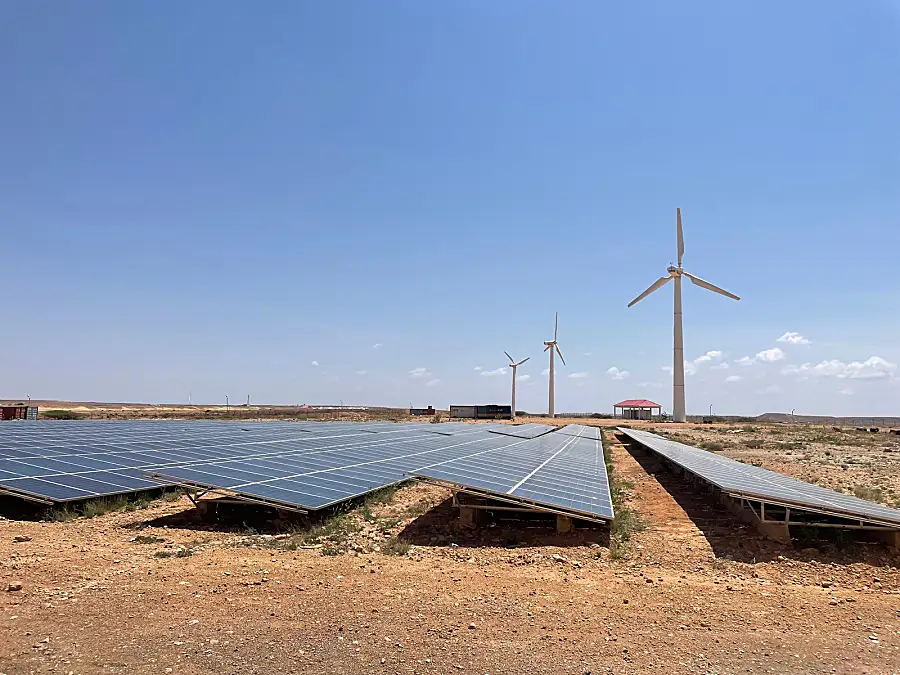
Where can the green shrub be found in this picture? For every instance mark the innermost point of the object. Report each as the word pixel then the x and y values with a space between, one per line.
pixel 60 415
pixel 395 546
pixel 712 447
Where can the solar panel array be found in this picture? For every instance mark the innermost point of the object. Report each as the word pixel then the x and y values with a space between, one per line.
pixel 306 466
pixel 64 461
pixel 742 480
pixel 560 472
pixel 321 472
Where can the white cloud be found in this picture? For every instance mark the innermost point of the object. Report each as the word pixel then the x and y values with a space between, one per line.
pixel 545 371
pixel 587 353
pixel 377 345
pixel 523 378
pixel 478 368
pixel 720 366
pixel 793 339
pixel 362 372
pixel 872 368
pixel 690 367
pixel 733 378
pixel 433 383
pixel 578 376
pixel 771 389
pixel 617 374
pixel 766 356
pixel 419 373
pixel 771 355
pixel 315 363
pixel 651 385
pixel 491 373
pixel 847 392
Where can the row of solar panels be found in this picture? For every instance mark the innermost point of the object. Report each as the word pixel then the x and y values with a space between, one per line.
pixel 305 466
pixel 754 483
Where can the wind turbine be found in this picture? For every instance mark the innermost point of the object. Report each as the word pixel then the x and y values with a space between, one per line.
pixel 514 365
pixel 678 365
pixel 551 345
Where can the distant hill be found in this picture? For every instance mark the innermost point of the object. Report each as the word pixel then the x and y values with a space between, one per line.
pixel 826 419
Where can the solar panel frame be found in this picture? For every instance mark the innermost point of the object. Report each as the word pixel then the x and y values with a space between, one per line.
pixel 530 430
pixel 755 483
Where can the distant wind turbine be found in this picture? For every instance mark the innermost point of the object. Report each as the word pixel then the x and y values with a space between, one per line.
pixel 552 346
pixel 514 365
pixel 678 407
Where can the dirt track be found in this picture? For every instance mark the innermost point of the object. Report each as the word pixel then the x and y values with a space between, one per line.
pixel 695 592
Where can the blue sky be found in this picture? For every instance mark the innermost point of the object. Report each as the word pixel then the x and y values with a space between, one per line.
pixel 208 197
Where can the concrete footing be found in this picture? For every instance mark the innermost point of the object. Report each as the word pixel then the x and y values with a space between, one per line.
pixel 469 517
pixel 892 539
pixel 564 525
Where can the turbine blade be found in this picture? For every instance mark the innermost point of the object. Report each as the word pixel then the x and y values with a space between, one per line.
pixel 659 283
pixel 547 347
pixel 560 355
pixel 556 326
pixel 509 357
pixel 710 287
pixel 522 361
pixel 680 238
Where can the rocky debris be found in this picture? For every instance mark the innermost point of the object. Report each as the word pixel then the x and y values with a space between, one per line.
pixel 14 586
pixel 20 538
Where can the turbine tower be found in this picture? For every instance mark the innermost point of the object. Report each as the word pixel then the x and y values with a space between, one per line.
pixel 514 365
pixel 552 345
pixel 678 407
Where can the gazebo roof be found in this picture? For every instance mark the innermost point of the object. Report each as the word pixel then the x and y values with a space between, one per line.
pixel 637 403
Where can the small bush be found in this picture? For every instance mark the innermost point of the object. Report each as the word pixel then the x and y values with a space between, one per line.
pixel 162 554
pixel 184 553
pixel 625 523
pixel 395 546
pixel 61 514
pixel 99 507
pixel 60 415
pixel 712 447
pixel 754 443
pixel 383 495
pixel 869 494
pixel 145 539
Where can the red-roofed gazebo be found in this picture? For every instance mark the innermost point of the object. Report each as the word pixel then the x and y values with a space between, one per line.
pixel 637 409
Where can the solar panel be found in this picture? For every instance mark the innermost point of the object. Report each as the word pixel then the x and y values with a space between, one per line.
pixel 555 472
pixel 58 461
pixel 523 430
pixel 752 482
pixel 316 476
pixel 581 431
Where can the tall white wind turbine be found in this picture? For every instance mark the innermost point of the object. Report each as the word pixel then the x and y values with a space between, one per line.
pixel 514 365
pixel 552 346
pixel 678 407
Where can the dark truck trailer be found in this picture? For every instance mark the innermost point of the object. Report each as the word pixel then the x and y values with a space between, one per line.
pixel 418 412
pixel 493 412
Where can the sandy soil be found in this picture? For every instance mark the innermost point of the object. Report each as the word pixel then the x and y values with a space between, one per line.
pixel 693 592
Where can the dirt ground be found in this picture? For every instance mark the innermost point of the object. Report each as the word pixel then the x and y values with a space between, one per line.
pixel 399 587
